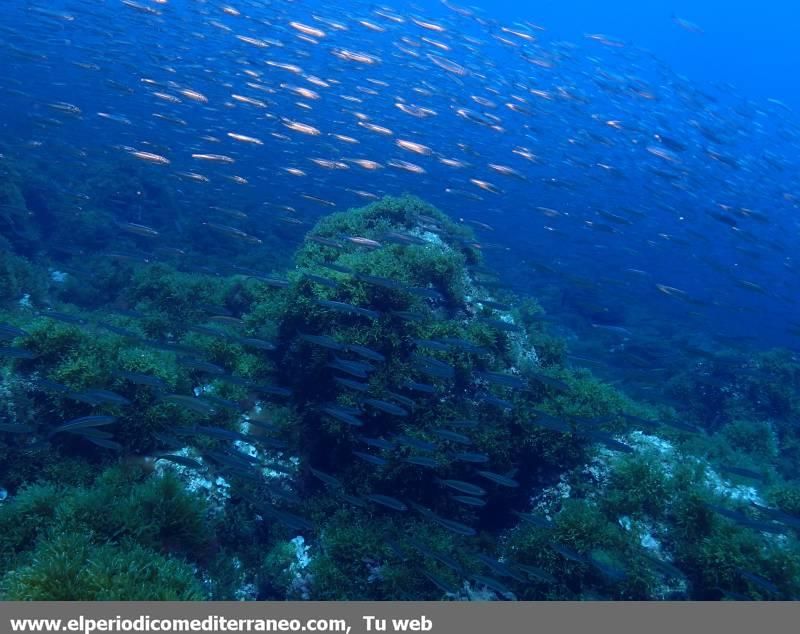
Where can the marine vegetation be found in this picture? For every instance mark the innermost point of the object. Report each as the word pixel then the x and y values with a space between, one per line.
pixel 381 422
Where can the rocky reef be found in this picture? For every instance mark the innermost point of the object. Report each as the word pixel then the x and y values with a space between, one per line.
pixel 383 421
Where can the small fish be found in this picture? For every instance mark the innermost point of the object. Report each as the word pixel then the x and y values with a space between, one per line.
pixel 535 520
pixel 760 582
pixel 226 320
pixel 236 380
pixel 743 473
pixel 84 422
pixel 370 458
pixel 682 426
pixel 672 291
pixel 357 369
pixel 446 434
pixel 353 385
pixel 122 332
pixel 92 432
pixel 402 238
pixel 385 406
pixel 614 572
pixel 366 353
pixel 491 399
pixel 260 344
pixel 150 157
pixel 552 423
pixel 192 403
pixel 424 550
pixel 363 242
pixel 343 415
pixel 440 583
pixel 238 462
pixel 465 456
pixel 180 460
pixel 779 516
pixel 213 158
pixel 420 387
pixel 440 346
pixel 106 443
pixel 273 282
pixel 463 344
pixel 352 499
pixel 551 382
pixel 469 500
pixel 609 441
pixel 433 367
pixel 322 340
pixel 387 501
pixel 327 479
pixel 104 396
pixel 328 242
pixel 499 568
pixel 504 380
pixel 499 479
pixel 664 567
pixel 342 307
pixel 415 443
pixel 200 365
pixel 16 353
pixel 337 267
pixel 536 573
pixel 46 385
pixel 567 552
pixel 423 461
pixel 464 487
pixel 408 315
pixel 272 390
pixel 455 527
pixel 322 281
pixel 493 584
pixel 403 400
pixel 378 443
pixel 617 330
pixel 7 331
pixel 290 520
pixel 224 403
pixel 137 229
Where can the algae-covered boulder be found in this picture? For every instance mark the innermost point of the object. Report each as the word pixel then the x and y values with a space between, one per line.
pixel 418 400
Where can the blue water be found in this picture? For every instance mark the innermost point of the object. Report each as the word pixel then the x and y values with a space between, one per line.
pixel 751 47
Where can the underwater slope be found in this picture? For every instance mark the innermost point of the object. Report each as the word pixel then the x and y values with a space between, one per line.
pixel 380 423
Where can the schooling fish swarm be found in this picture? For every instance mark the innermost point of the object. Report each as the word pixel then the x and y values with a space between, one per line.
pixel 214 387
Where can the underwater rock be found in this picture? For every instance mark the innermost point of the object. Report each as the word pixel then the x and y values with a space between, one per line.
pixel 214 490
pixel 390 408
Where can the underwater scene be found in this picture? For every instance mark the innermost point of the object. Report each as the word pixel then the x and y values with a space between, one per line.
pixel 316 300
